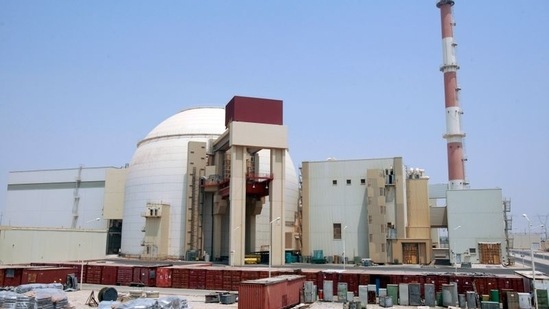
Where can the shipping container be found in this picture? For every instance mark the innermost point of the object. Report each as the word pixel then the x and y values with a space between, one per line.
pixel 271 293
pixel 214 278
pixel 180 277
pixel 124 275
pixel 197 278
pixel 164 277
pixel 257 110
pixel 46 275
pixel 144 276
pixel 109 275
pixel 11 275
pixel 93 273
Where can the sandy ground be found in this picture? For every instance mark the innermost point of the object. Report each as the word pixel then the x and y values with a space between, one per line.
pixel 195 298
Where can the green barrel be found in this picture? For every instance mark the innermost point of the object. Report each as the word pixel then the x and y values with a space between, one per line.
pixel 494 295
pixel 392 290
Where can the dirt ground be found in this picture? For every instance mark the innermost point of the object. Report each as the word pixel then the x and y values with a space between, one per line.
pixel 195 298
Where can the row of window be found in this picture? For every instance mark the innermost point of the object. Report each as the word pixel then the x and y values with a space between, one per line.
pixel 349 182
pixel 362 182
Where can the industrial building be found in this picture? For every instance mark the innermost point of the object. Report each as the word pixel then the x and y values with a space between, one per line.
pixel 201 184
pixel 214 183
pixel 175 199
pixel 374 208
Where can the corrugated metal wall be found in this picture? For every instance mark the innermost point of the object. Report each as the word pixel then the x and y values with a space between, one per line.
pixel 50 245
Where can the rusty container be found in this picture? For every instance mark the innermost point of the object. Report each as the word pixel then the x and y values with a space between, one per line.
pixel 180 277
pixel 214 278
pixel 124 275
pixel 145 275
pixel 164 277
pixel 109 274
pixel 270 293
pixel 46 275
pixel 12 275
pixel 93 273
pixel 197 278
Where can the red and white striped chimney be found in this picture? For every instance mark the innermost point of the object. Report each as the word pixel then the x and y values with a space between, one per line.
pixel 454 136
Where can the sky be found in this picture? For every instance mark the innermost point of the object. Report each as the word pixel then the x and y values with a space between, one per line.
pixel 81 82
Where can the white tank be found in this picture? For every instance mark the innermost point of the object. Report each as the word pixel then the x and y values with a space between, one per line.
pixel 157 174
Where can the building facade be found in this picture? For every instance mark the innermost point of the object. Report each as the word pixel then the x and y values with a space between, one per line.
pixel 370 208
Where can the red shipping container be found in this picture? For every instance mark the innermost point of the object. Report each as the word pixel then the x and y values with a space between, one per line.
pixel 144 275
pixel 363 279
pixel 257 110
pixel 109 275
pixel 352 280
pixel 214 278
pixel 180 277
pixel 46 275
pixel 164 277
pixel 12 276
pixel 124 275
pixel 236 278
pixel 93 274
pixel 197 278
pixel 270 293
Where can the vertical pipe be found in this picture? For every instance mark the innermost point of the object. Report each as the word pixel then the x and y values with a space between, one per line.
pixel 454 136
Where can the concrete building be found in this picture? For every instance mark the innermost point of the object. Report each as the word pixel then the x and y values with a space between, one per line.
pixel 372 208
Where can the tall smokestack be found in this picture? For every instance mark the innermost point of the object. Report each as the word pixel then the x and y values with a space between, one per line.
pixel 454 136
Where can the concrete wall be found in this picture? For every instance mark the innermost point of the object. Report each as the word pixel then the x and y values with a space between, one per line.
pixel 469 212
pixel 344 202
pixel 26 245
pixel 115 182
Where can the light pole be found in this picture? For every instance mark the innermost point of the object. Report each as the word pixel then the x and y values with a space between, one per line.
pixel 533 263
pixel 455 253
pixel 271 244
pixel 344 228
pixel 82 259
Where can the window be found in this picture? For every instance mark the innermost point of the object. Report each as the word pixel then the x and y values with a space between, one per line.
pixel 370 219
pixel 348 181
pixel 382 247
pixel 334 182
pixel 337 230
pixel 383 228
pixel 381 191
pixel 472 250
pixel 362 181
pixel 371 237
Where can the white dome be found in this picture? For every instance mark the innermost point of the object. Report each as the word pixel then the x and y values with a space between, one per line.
pixel 194 121
pixel 157 172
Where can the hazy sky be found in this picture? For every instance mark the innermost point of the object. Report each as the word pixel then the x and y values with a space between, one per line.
pixel 81 82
